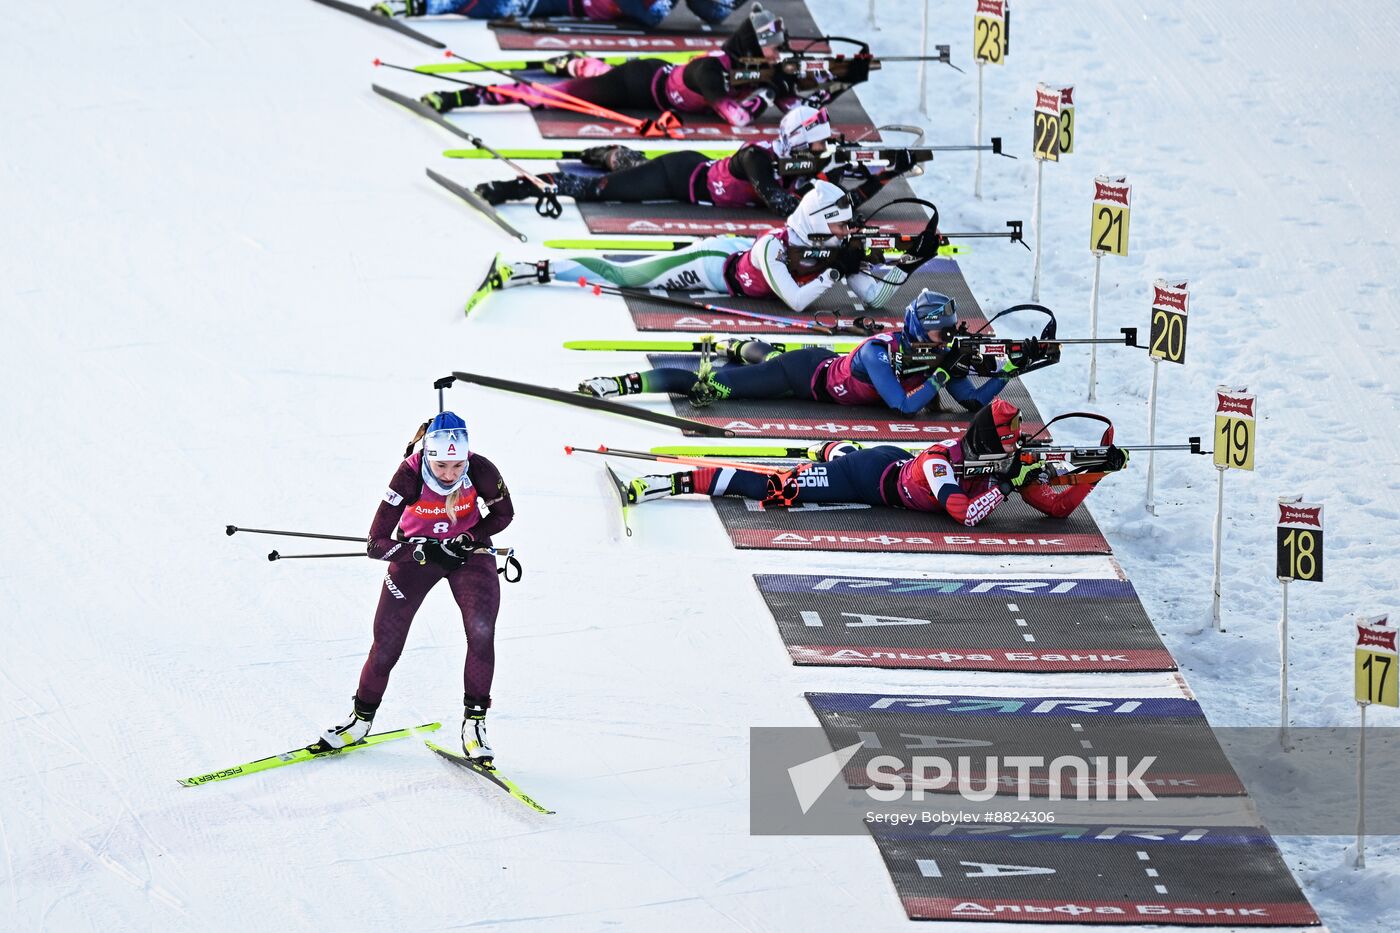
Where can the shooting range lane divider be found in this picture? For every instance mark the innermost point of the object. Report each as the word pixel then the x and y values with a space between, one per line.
pixel 1084 873
pixel 1014 528
pixel 966 623
pixel 1168 736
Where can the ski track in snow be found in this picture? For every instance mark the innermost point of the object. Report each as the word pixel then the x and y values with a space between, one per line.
pixel 223 263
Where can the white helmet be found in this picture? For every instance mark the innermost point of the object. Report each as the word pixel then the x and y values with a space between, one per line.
pixel 824 204
pixel 800 127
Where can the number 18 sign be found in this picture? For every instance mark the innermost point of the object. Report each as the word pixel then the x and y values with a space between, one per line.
pixel 1299 540
pixel 1375 662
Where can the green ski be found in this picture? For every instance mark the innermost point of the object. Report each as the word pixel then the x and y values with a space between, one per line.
pixel 496 278
pixel 309 753
pixel 621 489
pixel 560 154
pixel 492 775
pixel 689 346
pixel 523 64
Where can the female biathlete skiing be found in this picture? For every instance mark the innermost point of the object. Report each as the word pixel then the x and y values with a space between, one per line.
pixel 886 475
pixel 645 12
pixel 441 502
pixel 703 84
pixel 882 369
pixel 775 265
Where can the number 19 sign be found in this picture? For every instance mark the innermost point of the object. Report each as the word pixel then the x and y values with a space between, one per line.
pixel 1234 429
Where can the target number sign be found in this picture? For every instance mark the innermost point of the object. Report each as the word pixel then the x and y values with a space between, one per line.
pixel 1167 335
pixel 1046 142
pixel 1067 127
pixel 1108 230
pixel 1376 674
pixel 1299 540
pixel 989 32
pixel 1234 429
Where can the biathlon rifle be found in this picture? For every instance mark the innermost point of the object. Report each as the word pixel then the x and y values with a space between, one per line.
pixel 821 77
pixel 857 159
pixel 1087 464
pixel 907 251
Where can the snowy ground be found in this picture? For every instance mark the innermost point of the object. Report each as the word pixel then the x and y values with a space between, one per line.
pixel 227 289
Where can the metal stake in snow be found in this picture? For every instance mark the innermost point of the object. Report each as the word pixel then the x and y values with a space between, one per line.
pixel 923 66
pixel 1376 658
pixel 1234 450
pixel 872 15
pixel 1299 558
pixel 989 47
pixel 1045 144
pixel 1108 233
pixel 1167 341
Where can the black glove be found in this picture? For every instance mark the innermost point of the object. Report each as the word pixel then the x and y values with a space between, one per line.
pixel 902 162
pixel 1117 459
pixel 460 546
pixel 954 361
pixel 848 257
pixel 434 552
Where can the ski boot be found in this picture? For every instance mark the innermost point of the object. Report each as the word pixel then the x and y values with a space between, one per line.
pixel 504 274
pixel 559 64
pixel 742 350
pixel 392 8
pixel 609 386
pixel 611 158
pixel 707 389
pixel 499 192
pixel 447 101
pixel 474 743
pixel 827 451
pixel 352 730
pixel 649 488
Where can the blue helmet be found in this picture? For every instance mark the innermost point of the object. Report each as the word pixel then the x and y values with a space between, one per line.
pixel 446 438
pixel 928 314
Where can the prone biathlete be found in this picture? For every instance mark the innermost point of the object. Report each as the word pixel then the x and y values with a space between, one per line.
pixel 645 12
pixel 879 370
pixel 701 85
pixel 886 475
pixel 751 177
pixel 767 267
pixel 441 501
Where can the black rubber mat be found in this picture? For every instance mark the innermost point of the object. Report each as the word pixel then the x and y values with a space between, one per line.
pixel 675 219
pixel 1221 876
pixel 653 315
pixel 1014 528
pixel 1170 736
pixel 964 623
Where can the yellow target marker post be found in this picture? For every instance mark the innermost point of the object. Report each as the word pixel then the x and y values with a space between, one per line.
pixel 1234 450
pixel 1108 233
pixel 1166 341
pixel 1376 678
pixel 1045 146
pixel 991 22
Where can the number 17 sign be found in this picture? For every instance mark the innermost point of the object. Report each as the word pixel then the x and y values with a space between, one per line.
pixel 1375 662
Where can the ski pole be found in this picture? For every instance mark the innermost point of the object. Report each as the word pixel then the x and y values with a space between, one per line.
pixel 234 529
pixel 279 556
pixel 862 324
pixel 667 123
pixel 604 451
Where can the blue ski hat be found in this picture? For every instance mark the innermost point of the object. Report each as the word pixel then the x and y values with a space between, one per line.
pixel 446 438
pixel 928 314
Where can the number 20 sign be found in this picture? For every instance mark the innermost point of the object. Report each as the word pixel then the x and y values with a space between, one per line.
pixel 1167 335
pixel 1299 540
pixel 1108 233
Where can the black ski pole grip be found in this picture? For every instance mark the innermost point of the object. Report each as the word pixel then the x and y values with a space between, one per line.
pixel 230 529
pixel 273 556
